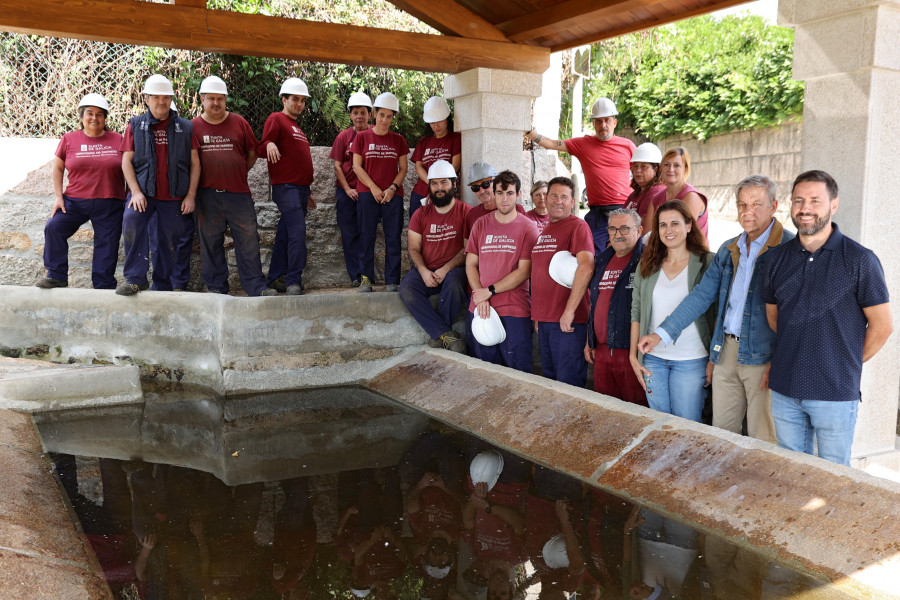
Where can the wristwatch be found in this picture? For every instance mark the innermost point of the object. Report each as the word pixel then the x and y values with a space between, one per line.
pixel 492 289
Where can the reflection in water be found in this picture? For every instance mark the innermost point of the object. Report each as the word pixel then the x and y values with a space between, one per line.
pixel 450 517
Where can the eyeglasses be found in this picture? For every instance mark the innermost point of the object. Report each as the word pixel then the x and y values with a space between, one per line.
pixel 481 186
pixel 624 230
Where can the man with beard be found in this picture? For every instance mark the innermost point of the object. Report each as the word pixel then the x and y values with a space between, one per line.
pixel 827 301
pixel 435 244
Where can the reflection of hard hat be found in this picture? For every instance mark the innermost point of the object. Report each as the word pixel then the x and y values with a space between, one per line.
pixel 157 85
pixel 490 331
pixel 437 572
pixel 441 169
pixel 554 552
pixel 647 153
pixel 387 100
pixel 294 86
pixel 603 107
pixel 436 109
pixel 360 593
pixel 359 99
pixel 213 85
pixel 94 100
pixel 486 467
pixel 562 268
pixel 481 170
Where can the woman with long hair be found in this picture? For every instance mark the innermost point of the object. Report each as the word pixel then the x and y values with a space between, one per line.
pixel 675 168
pixel 440 143
pixel 673 262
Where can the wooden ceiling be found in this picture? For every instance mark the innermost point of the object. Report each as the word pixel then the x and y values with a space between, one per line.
pixel 505 34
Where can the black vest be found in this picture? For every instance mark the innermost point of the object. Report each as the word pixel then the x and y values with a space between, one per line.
pixel 178 135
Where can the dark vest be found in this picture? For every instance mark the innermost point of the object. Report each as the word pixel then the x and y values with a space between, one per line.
pixel 178 135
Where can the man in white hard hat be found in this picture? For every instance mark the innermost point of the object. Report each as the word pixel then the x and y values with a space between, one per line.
pixel 605 159
pixel 498 265
pixel 291 173
pixel 162 171
pixel 560 312
pixel 481 182
pixel 435 244
pixel 741 345
pixel 380 164
pixel 346 196
pixel 227 149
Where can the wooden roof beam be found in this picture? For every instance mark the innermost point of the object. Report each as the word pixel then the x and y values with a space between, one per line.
pixel 451 18
pixel 195 28
pixel 561 16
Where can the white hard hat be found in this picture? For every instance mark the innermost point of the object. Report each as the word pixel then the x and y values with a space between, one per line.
pixel 294 86
pixel 554 552
pixel 486 467
pixel 437 572
pixel 157 85
pixel 94 100
pixel 604 107
pixel 173 106
pixel 481 170
pixel 562 268
pixel 387 100
pixel 436 109
pixel 360 593
pixel 213 85
pixel 359 99
pixel 490 331
pixel 647 153
pixel 441 169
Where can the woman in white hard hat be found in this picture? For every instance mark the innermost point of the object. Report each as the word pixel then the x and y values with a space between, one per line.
pixel 95 193
pixel 673 262
pixel 440 144
pixel 675 168
pixel 645 181
pixel 380 163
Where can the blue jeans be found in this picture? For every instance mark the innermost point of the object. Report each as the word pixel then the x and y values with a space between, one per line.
pixel 832 422
pixel 676 386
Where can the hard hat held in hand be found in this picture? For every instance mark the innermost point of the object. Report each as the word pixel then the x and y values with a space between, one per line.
pixel 554 552
pixel 94 100
pixel 389 101
pixel 436 109
pixel 294 86
pixel 562 268
pixel 486 468
pixel 490 331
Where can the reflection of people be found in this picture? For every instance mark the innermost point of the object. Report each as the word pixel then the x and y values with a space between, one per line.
pixel 667 550
pixel 295 539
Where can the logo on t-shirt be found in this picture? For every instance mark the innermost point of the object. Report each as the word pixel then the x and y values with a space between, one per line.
pixel 371 146
pixel 295 128
pixel 84 147
pixel 205 139
pixel 433 228
pixel 488 239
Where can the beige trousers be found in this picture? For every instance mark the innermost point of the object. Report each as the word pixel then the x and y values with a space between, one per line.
pixel 736 393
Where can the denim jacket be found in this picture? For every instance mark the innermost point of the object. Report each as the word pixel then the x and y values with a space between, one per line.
pixel 618 329
pixel 757 338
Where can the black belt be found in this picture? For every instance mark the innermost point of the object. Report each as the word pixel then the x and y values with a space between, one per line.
pixel 734 337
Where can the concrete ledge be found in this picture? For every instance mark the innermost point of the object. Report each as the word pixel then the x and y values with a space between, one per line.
pixel 832 522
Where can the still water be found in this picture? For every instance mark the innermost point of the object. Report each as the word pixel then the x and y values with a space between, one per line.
pixel 340 493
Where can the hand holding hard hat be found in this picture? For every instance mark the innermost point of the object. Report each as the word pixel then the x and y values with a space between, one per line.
pixel 562 268
pixel 489 331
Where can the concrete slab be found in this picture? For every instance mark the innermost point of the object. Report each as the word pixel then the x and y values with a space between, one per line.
pixel 24 577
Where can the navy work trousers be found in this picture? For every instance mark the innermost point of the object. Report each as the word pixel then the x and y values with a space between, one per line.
pixel 515 351
pixel 348 223
pixel 289 249
pixel 415 294
pixel 391 217
pixel 170 224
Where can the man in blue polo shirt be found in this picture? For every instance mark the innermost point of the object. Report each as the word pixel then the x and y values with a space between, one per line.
pixel 827 301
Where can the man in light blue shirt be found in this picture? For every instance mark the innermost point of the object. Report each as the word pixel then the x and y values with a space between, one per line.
pixel 742 344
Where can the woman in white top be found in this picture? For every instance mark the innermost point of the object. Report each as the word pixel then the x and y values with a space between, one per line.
pixel 674 261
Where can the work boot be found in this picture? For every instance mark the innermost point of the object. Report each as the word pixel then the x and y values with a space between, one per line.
pixel 355 283
pixel 365 284
pixel 392 287
pixel 269 292
pixel 130 289
pixel 294 290
pixel 449 341
pixel 278 285
pixel 47 283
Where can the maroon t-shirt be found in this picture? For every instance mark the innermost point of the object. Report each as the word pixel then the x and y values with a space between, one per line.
pixel 382 562
pixel 381 158
pixel 607 283
pixel 548 298
pixel 479 211
pixel 539 220
pixel 641 201
pixel 223 151
pixel 431 149
pixel 296 164
pixel 437 511
pixel 342 150
pixel 541 525
pixel 492 537
pixel 442 234
pixel 162 157
pixel 94 165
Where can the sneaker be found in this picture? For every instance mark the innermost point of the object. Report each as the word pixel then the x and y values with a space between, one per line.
pixel 129 289
pixel 278 285
pixel 354 283
pixel 269 292
pixel 392 287
pixel 294 290
pixel 365 284
pixel 47 283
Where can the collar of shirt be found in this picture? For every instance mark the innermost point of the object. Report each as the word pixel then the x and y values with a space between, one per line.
pixel 756 244
pixel 833 242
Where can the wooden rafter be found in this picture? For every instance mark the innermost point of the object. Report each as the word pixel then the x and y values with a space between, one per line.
pixel 450 18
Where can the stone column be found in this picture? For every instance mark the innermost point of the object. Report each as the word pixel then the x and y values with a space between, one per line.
pixel 492 107
pixel 847 53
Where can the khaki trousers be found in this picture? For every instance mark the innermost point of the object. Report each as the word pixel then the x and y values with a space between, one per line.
pixel 736 393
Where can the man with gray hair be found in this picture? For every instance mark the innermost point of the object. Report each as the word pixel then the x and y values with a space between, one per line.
pixel 743 342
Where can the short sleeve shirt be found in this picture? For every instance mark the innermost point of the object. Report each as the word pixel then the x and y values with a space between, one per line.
pixel 607 167
pixel 94 165
pixel 223 151
pixel 381 158
pixel 539 220
pixel 295 165
pixel 442 234
pixel 479 211
pixel 548 298
pixel 431 149
pixel 342 150
pixel 821 325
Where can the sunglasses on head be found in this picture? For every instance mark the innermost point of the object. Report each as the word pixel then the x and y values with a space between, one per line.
pixel 481 186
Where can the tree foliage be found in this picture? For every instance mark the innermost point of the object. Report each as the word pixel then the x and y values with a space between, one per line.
pixel 701 76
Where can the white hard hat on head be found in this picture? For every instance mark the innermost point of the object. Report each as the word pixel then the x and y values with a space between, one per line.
pixel 94 100
pixel 441 169
pixel 648 153
pixel 387 100
pixel 158 85
pixel 481 170
pixel 604 107
pixel 486 467
pixel 294 86
pixel 562 268
pixel 436 109
pixel 213 85
pixel 554 552
pixel 490 331
pixel 359 99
